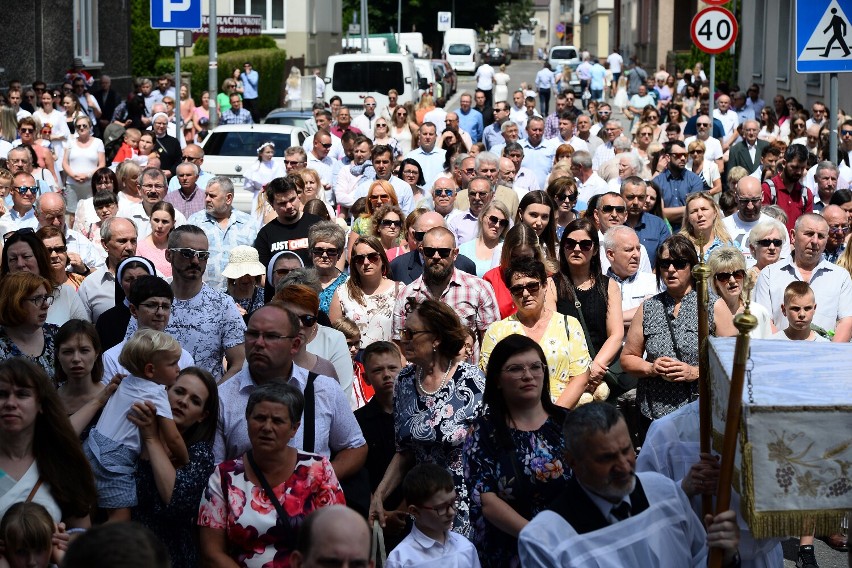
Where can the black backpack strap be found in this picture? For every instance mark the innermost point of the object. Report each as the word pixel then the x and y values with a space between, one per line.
pixel 309 416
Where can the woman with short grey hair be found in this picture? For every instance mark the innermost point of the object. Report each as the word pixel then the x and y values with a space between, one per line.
pixel 278 392
pixel 326 242
pixel 766 242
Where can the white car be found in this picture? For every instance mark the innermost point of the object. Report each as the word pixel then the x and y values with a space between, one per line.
pixel 231 149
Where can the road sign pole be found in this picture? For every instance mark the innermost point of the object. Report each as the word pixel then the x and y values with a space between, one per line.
pixel 712 81
pixel 177 89
pixel 833 97
pixel 212 66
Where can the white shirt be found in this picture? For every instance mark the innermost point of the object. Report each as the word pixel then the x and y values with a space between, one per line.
pixel 484 77
pixel 730 120
pixel 417 549
pixel 432 163
pixel 712 147
pixel 112 366
pixel 335 153
pixel 438 117
pixel 97 292
pixel 365 124
pixel 615 62
pixel 644 263
pixel 113 422
pixel 66 305
pixel 330 344
pixel 636 289
pixel 603 153
pixel 140 218
pixel 324 167
pixel 595 185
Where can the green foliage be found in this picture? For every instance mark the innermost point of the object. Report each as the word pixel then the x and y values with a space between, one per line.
pixel 514 16
pixel 145 47
pixel 725 63
pixel 269 63
pixel 228 44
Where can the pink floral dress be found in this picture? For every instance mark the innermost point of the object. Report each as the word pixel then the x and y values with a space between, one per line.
pixel 255 535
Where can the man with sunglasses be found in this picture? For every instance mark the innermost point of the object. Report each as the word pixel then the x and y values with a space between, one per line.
pixel 831 284
pixel 20 160
pixel 480 192
pixel 323 121
pixel 712 147
pixel 676 182
pixel 408 267
pixel 366 121
pixel 838 230
pixel 470 297
pixel 748 214
pixel 717 130
pixel 50 210
pixel 493 134
pixel 611 211
pixel 319 159
pixel 24 192
pixel 193 154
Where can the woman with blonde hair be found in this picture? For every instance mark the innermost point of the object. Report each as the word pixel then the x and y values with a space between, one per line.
pixel 501 85
pixel 380 193
pixel 313 189
pixel 703 220
pixel 707 170
pixel 294 87
pixel 426 104
pixel 642 141
pixel 223 99
pixel 404 129
pixel 731 282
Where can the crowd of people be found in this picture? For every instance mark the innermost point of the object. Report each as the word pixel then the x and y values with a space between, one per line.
pixel 429 315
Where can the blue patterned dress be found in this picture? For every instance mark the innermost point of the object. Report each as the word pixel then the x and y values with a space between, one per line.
pixel 434 427
pixel 535 480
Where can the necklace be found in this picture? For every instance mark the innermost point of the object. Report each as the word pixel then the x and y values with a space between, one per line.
pixel 443 381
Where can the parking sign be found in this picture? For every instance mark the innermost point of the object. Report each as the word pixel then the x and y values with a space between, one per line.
pixel 444 21
pixel 175 14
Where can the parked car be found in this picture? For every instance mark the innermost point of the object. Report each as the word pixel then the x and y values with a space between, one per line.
pixel 288 116
pixel 448 75
pixel 231 149
pixel 497 56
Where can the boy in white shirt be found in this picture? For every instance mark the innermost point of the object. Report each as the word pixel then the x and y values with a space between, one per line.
pixel 799 308
pixel 113 446
pixel 432 501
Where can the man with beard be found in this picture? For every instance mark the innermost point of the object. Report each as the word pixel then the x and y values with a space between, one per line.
pixel 676 183
pixel 152 184
pixel 289 230
pixel 470 297
pixel 408 267
pixel 204 321
pixel 785 188
pixel 605 490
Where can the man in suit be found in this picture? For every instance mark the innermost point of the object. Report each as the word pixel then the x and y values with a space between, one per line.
pixel 408 267
pixel 747 153
pixel 656 525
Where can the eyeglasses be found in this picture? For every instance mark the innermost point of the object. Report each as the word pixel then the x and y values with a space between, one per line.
pixel 617 208
pixel 384 198
pixel 414 173
pixel 841 230
pixel 678 155
pixel 703 124
pixel 58 250
pixel 696 151
pixel 154 307
pixel 444 508
pixel 320 252
pixel 746 200
pixel 189 158
pixel 23 189
pixel 189 253
pixel 418 235
pixel 725 276
pixel 391 223
pixel 571 197
pixel 326 146
pixel 381 125
pixel 307 320
pixel 82 126
pixel 408 334
pixel 252 335
pixel 645 134
pixel 371 105
pixel 372 257
pixel 604 112
pixel 429 252
pixel 495 220
pixel 41 300
pixel 153 186
pixel 678 263
pixel 443 192
pixel 585 244
pixel 531 287
pixel 774 242
pixel 518 371
pixel 470 171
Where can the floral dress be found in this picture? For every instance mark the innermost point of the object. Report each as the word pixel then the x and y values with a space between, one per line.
pixel 256 537
pixel 48 355
pixel 374 316
pixel 434 427
pixel 529 485
pixel 173 522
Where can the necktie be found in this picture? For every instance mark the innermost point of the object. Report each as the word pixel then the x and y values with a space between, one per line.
pixel 621 511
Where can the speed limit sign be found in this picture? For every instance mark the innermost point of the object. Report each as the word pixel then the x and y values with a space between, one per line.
pixel 714 30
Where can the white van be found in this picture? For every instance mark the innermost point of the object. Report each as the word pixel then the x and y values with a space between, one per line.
pixel 354 76
pixel 376 45
pixel 411 42
pixel 461 49
pixel 426 71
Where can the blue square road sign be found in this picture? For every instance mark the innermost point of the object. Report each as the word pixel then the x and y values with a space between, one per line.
pixel 176 14
pixel 823 36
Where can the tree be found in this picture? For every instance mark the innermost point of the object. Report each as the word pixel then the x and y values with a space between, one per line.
pixel 514 17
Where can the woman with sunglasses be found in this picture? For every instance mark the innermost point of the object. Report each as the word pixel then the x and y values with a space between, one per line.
pixel 486 248
pixel 223 99
pixel 560 336
pixel 666 328
pixel 24 332
pixel 368 297
pixel 704 223
pixel 380 193
pixel 583 292
pixel 650 115
pixel 83 156
pixel 707 170
pixel 314 191
pixel 642 141
pixel 537 210
pixel 382 135
pixel 730 282
pixel 326 241
pixel 435 399
pixel 29 137
pixel 404 129
pixel 563 191
pixel 513 455
pixel 387 227
pixel 57 249
pixel 766 242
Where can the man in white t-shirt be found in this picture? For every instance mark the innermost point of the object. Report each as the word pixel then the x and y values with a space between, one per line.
pixel 749 202
pixel 729 119
pixel 485 81
pixel 616 63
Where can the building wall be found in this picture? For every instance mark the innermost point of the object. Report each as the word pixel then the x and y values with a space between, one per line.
pixel 767 57
pixel 599 33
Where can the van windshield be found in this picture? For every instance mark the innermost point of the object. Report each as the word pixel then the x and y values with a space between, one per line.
pixel 459 49
pixel 563 54
pixel 367 76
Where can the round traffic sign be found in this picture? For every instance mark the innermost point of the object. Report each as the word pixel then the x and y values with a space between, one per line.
pixel 714 30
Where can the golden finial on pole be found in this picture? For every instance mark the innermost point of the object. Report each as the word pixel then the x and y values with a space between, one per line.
pixel 700 274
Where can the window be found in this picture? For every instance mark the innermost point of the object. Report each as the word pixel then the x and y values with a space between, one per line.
pixel 367 77
pixel 563 53
pixel 814 81
pixel 459 49
pixel 274 12
pixel 758 35
pixel 785 17
pixel 86 30
pixel 243 143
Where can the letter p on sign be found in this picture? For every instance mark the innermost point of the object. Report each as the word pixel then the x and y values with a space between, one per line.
pixel 169 7
pixel 176 14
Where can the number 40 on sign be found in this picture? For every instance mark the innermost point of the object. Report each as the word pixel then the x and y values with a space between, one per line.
pixel 714 30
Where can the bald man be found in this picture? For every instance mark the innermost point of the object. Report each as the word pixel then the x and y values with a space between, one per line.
pixel 748 214
pixel 193 153
pixel 333 536
pixel 408 267
pixel 50 211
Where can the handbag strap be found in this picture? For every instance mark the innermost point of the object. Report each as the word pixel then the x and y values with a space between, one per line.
pixel 267 488
pixel 377 545
pixel 35 489
pixel 672 334
pixel 592 351
pixel 309 422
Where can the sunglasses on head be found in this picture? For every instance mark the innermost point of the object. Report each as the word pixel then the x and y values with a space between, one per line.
pixel 518 289
pixel 725 276
pixel 494 220
pixel 678 263
pixel 429 252
pixel 774 242
pixel 585 245
pixel 372 257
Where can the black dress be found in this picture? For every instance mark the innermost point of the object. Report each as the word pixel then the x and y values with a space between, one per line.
pixel 594 311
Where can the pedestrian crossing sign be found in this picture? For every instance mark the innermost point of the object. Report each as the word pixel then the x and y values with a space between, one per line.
pixel 823 36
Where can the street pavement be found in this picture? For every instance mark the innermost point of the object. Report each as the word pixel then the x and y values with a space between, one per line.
pixel 524 71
